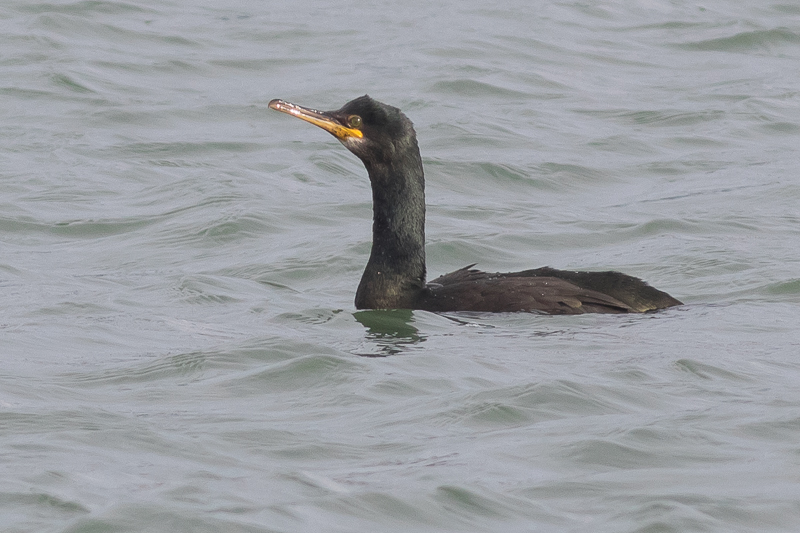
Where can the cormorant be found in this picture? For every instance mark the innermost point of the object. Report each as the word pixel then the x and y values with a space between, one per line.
pixel 385 141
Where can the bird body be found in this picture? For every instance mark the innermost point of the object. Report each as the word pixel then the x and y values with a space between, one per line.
pixel 394 278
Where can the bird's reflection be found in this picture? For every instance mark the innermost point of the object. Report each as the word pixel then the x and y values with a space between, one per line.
pixel 389 332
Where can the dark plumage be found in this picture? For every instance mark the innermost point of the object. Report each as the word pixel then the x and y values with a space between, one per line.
pixel 385 141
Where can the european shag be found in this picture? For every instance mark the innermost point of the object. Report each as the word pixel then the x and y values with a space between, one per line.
pixel 385 141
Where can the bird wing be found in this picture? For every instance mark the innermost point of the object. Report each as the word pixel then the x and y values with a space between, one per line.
pixel 468 289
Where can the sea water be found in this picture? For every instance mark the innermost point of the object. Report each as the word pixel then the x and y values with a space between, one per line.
pixel 179 349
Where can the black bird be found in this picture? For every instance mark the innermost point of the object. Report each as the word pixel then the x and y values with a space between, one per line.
pixel 385 141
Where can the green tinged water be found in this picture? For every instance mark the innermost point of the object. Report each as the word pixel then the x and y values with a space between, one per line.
pixel 178 345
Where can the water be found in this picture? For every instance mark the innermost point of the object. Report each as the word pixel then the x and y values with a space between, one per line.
pixel 180 350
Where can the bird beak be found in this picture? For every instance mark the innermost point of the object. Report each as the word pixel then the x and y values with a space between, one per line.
pixel 323 119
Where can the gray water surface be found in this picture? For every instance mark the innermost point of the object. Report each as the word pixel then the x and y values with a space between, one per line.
pixel 179 350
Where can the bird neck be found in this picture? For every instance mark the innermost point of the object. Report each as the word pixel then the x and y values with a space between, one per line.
pixel 395 274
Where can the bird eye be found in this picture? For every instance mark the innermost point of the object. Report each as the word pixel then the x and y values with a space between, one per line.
pixel 354 121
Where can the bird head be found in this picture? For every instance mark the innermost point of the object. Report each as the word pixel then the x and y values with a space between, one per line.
pixel 373 131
